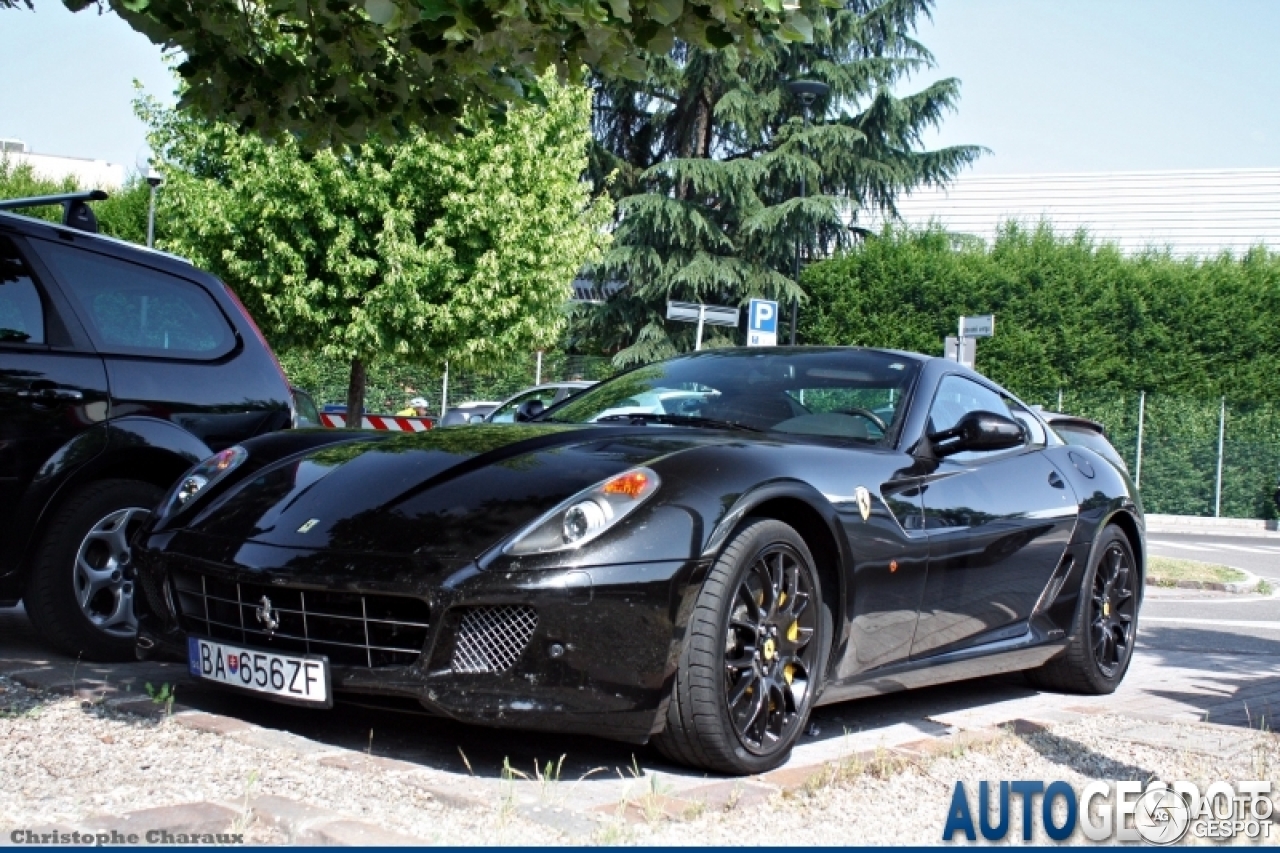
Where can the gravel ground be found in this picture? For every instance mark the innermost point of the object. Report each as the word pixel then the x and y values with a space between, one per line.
pixel 880 803
pixel 62 761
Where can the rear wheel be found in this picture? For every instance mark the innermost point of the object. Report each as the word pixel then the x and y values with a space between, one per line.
pixel 80 591
pixel 754 658
pixel 1106 628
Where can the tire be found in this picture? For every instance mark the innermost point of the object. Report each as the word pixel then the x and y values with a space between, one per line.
pixel 1106 626
pixel 79 593
pixel 749 644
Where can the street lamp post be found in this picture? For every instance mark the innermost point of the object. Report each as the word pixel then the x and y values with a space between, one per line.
pixel 154 180
pixel 807 91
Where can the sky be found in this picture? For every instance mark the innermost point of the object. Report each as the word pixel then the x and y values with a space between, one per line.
pixel 1047 85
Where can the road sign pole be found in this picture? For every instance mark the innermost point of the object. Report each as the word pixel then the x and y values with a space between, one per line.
pixel 537 371
pixel 444 391
pixel 1222 434
pixel 1142 417
pixel 702 318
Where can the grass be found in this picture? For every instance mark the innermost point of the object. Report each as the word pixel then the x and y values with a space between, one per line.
pixel 1164 571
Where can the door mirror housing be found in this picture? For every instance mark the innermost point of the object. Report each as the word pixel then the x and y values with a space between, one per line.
pixel 979 431
pixel 529 409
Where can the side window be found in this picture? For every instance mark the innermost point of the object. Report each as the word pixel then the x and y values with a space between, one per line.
pixel 21 310
pixel 957 397
pixel 507 414
pixel 1035 432
pixel 136 310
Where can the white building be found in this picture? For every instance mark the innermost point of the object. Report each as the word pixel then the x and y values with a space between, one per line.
pixel 90 174
pixel 1200 212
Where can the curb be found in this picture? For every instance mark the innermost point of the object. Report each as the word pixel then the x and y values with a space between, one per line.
pixel 1248 585
pixel 1193 524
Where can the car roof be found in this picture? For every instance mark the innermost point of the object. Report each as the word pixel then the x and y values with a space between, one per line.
pixel 18 219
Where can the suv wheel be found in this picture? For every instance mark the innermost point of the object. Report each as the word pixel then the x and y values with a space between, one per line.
pixel 80 591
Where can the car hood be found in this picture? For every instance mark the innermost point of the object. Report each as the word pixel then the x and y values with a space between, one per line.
pixel 448 494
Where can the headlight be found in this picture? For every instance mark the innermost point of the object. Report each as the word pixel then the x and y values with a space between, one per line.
pixel 201 477
pixel 587 514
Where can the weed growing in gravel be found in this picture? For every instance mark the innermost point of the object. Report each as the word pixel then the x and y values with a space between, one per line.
pixel 246 817
pixel 163 695
pixel 548 779
pixel 507 797
pixel 1265 588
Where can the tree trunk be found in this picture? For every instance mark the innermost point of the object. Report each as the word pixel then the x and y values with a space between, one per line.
pixel 355 395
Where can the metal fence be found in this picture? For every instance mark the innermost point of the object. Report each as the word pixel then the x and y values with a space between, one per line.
pixel 1189 456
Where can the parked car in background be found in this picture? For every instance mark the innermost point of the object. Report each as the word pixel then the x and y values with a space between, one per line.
pixel 535 400
pixel 471 412
pixel 120 368
pixel 1087 433
pixel 305 413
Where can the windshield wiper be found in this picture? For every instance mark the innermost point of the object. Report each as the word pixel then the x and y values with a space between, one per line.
pixel 676 420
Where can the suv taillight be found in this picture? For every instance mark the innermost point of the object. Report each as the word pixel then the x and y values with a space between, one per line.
pixel 248 318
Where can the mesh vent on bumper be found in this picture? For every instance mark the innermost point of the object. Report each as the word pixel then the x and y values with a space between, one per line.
pixel 350 628
pixel 491 639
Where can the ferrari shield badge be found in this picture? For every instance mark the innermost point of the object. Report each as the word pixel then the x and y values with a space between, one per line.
pixel 863 497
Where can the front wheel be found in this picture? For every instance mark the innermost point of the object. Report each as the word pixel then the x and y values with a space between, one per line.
pixel 80 591
pixel 1106 628
pixel 754 658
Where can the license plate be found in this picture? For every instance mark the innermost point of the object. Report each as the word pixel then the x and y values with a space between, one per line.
pixel 295 678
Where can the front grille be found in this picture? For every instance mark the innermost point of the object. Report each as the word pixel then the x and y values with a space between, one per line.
pixel 349 628
pixel 491 639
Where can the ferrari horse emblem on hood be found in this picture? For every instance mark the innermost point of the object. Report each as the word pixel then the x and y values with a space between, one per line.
pixel 863 497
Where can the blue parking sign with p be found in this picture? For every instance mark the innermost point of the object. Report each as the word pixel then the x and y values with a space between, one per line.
pixel 762 323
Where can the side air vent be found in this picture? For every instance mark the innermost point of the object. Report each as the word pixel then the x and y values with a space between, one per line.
pixel 1051 590
pixel 491 639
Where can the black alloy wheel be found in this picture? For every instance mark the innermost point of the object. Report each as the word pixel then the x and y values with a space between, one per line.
pixel 754 655
pixel 1105 630
pixel 769 648
pixel 1113 610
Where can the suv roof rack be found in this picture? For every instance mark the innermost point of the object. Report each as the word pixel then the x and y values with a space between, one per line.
pixel 75 208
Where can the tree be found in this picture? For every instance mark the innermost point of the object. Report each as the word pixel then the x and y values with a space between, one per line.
pixel 708 154
pixel 123 214
pixel 337 70
pixel 431 252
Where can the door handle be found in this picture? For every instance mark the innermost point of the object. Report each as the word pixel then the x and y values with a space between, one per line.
pixel 46 395
pixel 1056 481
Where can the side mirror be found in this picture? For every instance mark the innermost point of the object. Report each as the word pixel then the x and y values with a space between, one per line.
pixel 979 431
pixel 529 409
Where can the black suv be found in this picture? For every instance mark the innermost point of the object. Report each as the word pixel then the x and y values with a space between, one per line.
pixel 120 368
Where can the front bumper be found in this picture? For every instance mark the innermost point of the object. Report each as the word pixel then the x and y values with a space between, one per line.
pixel 599 658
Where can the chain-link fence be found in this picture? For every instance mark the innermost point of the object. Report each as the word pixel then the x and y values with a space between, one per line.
pixel 1189 456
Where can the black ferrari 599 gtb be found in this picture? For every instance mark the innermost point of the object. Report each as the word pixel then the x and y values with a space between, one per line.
pixel 696 552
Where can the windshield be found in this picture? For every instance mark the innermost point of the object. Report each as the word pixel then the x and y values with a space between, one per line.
pixel 851 394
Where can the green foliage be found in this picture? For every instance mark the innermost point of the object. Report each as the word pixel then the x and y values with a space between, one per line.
pixel 1080 317
pixel 123 214
pixel 340 70
pixel 417 250
pixel 709 154
pixel 1070 313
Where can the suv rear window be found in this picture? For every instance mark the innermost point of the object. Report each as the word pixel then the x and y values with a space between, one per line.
pixel 21 312
pixel 137 310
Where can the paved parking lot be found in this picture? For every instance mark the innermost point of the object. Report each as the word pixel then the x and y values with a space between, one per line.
pixel 1201 656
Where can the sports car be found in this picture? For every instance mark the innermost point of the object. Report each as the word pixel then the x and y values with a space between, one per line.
pixel 807 526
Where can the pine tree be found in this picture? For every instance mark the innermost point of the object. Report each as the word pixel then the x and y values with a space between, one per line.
pixel 706 156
